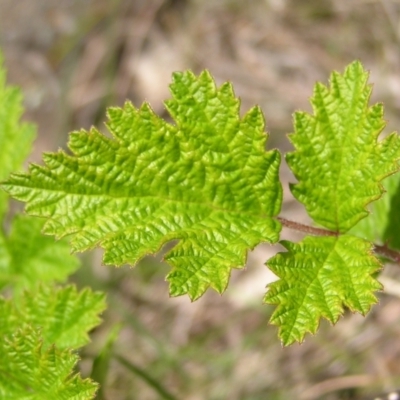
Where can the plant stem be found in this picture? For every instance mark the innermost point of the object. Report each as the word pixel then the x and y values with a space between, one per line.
pixel 382 250
pixel 390 254
pixel 306 228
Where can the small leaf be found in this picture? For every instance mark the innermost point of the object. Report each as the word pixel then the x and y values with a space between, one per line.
pixel 28 372
pixel 206 181
pixel 38 335
pixel 63 315
pixel 318 278
pixel 338 161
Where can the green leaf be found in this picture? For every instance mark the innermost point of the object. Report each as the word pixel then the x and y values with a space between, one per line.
pixel 206 181
pixel 318 278
pixel 27 257
pixel 338 161
pixel 391 234
pixel 63 315
pixel 38 334
pixel 15 137
pixel 339 164
pixel 28 372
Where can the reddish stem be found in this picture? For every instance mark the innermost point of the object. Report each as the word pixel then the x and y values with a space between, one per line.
pixel 383 251
pixel 305 228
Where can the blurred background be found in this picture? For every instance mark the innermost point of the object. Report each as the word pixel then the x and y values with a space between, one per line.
pixel 74 58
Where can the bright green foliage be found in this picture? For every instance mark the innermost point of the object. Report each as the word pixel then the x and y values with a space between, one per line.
pixel 38 329
pixel 15 137
pixel 38 334
pixel 338 161
pixel 27 257
pixel 339 165
pixel 209 183
pixel 206 181
pixel 319 276
pixel 28 372
pixel 64 315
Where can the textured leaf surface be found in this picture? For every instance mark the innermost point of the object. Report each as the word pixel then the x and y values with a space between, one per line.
pixel 63 315
pixel 318 278
pixel 206 181
pixel 338 160
pixel 15 137
pixel 28 372
pixel 27 257
pixel 38 334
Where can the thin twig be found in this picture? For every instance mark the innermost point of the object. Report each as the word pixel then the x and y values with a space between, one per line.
pixel 390 254
pixel 382 250
pixel 306 228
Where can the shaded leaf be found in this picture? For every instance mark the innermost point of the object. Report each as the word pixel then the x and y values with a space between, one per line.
pixel 27 257
pixel 63 315
pixel 28 372
pixel 382 224
pixel 15 137
pixel 38 335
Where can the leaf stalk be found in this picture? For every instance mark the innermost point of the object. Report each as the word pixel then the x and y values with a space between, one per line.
pixel 382 250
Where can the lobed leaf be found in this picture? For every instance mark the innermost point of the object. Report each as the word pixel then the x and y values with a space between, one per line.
pixel 338 160
pixel 206 181
pixel 29 372
pixel 63 315
pixel 38 335
pixel 339 164
pixel 319 277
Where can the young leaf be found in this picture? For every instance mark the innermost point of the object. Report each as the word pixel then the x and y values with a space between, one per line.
pixel 63 315
pixel 27 257
pixel 318 278
pixel 15 137
pixel 38 334
pixel 206 181
pixel 28 372
pixel 338 161
pixel 339 165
